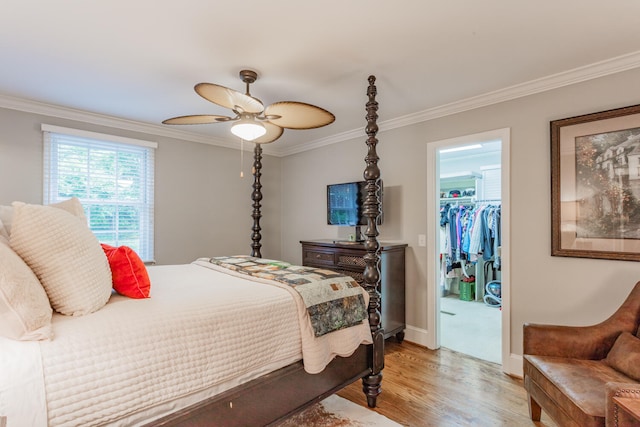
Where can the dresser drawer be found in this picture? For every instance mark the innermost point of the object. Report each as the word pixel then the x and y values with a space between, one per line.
pixel 350 260
pixel 318 257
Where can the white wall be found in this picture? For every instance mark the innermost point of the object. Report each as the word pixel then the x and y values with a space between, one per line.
pixel 202 206
pixel 543 288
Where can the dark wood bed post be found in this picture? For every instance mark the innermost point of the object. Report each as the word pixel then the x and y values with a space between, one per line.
pixel 276 396
pixel 372 383
pixel 256 196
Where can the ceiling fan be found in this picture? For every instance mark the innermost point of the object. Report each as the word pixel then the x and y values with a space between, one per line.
pixel 252 121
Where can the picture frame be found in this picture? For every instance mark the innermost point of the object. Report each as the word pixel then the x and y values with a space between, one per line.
pixel 595 185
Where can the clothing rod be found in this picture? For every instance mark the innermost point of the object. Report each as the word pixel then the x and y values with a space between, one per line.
pixel 444 202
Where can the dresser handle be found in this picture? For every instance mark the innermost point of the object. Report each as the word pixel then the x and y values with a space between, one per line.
pixel 317 255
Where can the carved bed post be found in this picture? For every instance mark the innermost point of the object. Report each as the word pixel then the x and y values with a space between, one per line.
pixel 371 384
pixel 256 196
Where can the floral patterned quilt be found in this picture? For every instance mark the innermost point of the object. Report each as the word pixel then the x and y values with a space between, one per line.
pixel 333 301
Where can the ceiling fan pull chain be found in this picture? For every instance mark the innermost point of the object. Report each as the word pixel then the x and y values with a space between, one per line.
pixel 241 157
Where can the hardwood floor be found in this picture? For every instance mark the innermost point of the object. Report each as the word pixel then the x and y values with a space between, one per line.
pixel 441 388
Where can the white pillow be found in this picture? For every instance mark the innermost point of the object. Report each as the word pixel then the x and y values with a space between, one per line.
pixel 71 205
pixel 6 213
pixel 25 313
pixel 65 255
pixel 4 235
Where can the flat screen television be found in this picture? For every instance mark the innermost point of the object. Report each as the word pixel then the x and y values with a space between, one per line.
pixel 345 205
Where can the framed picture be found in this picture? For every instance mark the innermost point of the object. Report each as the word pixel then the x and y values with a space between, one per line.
pixel 595 185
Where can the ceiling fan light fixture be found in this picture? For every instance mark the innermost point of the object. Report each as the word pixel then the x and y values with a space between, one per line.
pixel 252 121
pixel 248 129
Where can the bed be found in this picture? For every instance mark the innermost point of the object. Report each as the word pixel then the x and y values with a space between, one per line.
pixel 223 341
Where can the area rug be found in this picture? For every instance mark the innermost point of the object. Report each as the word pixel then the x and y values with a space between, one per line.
pixel 335 411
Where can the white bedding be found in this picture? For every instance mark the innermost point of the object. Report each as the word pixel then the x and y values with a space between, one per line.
pixel 317 352
pixel 108 368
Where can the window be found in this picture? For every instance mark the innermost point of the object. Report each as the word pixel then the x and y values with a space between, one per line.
pixel 113 178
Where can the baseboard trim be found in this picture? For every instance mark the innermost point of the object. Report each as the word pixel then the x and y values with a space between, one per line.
pixel 421 337
pixel 417 336
pixel 515 366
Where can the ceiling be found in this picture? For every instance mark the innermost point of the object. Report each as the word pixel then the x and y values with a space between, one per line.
pixel 132 64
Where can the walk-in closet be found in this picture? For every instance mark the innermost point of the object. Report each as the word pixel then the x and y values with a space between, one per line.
pixel 470 247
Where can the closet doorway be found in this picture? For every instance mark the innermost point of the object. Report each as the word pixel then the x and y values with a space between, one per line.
pixel 468 245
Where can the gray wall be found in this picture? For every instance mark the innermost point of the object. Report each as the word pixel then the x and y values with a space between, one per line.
pixel 202 206
pixel 199 198
pixel 543 288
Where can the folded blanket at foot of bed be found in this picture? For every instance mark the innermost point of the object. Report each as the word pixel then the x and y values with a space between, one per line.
pixel 333 301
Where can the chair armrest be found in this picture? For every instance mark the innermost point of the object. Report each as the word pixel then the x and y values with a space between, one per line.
pixel 578 342
pixel 613 416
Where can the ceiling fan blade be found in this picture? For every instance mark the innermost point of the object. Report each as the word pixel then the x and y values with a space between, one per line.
pixel 229 98
pixel 273 132
pixel 199 119
pixel 298 115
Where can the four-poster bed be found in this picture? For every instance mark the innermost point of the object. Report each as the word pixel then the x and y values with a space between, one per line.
pixel 151 361
pixel 280 394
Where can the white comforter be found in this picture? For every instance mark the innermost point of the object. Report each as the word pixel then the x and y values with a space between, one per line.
pixel 200 333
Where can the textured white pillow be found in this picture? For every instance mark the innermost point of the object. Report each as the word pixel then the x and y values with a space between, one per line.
pixel 72 205
pixel 65 255
pixel 25 313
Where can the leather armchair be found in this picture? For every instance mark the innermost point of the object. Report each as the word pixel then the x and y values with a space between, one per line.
pixel 564 368
pixel 615 417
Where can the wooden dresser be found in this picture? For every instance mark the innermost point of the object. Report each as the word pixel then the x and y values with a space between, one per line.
pixel 347 258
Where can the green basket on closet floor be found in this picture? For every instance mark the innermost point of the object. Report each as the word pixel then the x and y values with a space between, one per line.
pixel 467 291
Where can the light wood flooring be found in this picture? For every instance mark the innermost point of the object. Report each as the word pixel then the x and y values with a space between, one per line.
pixel 442 388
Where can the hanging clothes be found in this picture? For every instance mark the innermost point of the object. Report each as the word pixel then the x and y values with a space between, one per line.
pixel 470 232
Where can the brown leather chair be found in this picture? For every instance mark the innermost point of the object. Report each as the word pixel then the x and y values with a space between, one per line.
pixel 565 371
pixel 616 417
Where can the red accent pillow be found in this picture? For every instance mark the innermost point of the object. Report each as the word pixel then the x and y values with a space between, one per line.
pixel 128 272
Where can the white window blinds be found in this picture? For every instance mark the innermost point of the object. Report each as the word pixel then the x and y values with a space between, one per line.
pixel 113 178
pixel 491 182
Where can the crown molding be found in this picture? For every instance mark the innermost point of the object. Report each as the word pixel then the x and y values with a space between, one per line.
pixel 50 110
pixel 554 81
pixel 321 142
pixel 592 71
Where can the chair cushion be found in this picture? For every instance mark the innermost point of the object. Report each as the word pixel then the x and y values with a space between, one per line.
pixel 576 386
pixel 624 356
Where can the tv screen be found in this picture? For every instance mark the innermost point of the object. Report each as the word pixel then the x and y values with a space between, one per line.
pixel 345 203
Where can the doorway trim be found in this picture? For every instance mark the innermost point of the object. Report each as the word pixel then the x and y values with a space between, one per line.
pixel 433 195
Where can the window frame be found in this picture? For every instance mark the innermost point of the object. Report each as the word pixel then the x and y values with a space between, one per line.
pixel 54 135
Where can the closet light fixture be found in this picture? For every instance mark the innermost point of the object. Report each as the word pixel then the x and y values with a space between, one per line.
pixel 461 148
